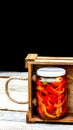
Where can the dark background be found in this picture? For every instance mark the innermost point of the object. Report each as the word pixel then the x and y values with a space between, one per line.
pixel 12 58
pixel 18 39
pixel 22 31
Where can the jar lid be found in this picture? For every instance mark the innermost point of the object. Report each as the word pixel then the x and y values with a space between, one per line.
pixel 51 72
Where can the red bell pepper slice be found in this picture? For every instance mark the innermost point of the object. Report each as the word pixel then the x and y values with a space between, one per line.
pixel 38 82
pixel 58 81
pixel 43 107
pixel 51 90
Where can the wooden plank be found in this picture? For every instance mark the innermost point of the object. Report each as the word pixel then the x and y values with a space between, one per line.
pixel 55 62
pixel 54 58
pixel 67 119
pixel 64 60
pixel 30 57
pixel 29 88
pixel 18 90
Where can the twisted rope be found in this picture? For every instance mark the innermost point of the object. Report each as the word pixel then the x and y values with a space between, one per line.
pixel 7 90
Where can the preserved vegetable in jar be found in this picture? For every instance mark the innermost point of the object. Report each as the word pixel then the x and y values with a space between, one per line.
pixel 51 92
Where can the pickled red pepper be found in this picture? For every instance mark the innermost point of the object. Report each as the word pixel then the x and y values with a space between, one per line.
pixel 51 98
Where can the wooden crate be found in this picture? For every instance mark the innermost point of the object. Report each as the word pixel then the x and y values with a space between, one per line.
pixel 33 62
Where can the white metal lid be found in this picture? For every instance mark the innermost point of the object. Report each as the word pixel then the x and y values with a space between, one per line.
pixel 51 72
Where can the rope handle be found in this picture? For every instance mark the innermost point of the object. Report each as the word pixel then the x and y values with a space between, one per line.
pixel 7 90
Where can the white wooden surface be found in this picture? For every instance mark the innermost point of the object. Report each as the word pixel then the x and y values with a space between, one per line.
pixel 11 120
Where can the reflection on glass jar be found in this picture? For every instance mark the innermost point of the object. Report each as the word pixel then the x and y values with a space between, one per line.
pixel 51 92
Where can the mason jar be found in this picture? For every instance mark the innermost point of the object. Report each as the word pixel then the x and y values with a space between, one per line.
pixel 51 92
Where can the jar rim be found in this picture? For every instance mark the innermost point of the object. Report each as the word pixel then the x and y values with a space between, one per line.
pixel 51 71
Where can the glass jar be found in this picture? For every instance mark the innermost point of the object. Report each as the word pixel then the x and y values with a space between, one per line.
pixel 51 92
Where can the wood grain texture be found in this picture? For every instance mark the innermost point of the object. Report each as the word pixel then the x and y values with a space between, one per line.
pixel 64 62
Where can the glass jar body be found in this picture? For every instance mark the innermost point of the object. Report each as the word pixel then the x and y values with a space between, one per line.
pixel 51 95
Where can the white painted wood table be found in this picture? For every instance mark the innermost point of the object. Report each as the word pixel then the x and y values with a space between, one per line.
pixel 10 119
